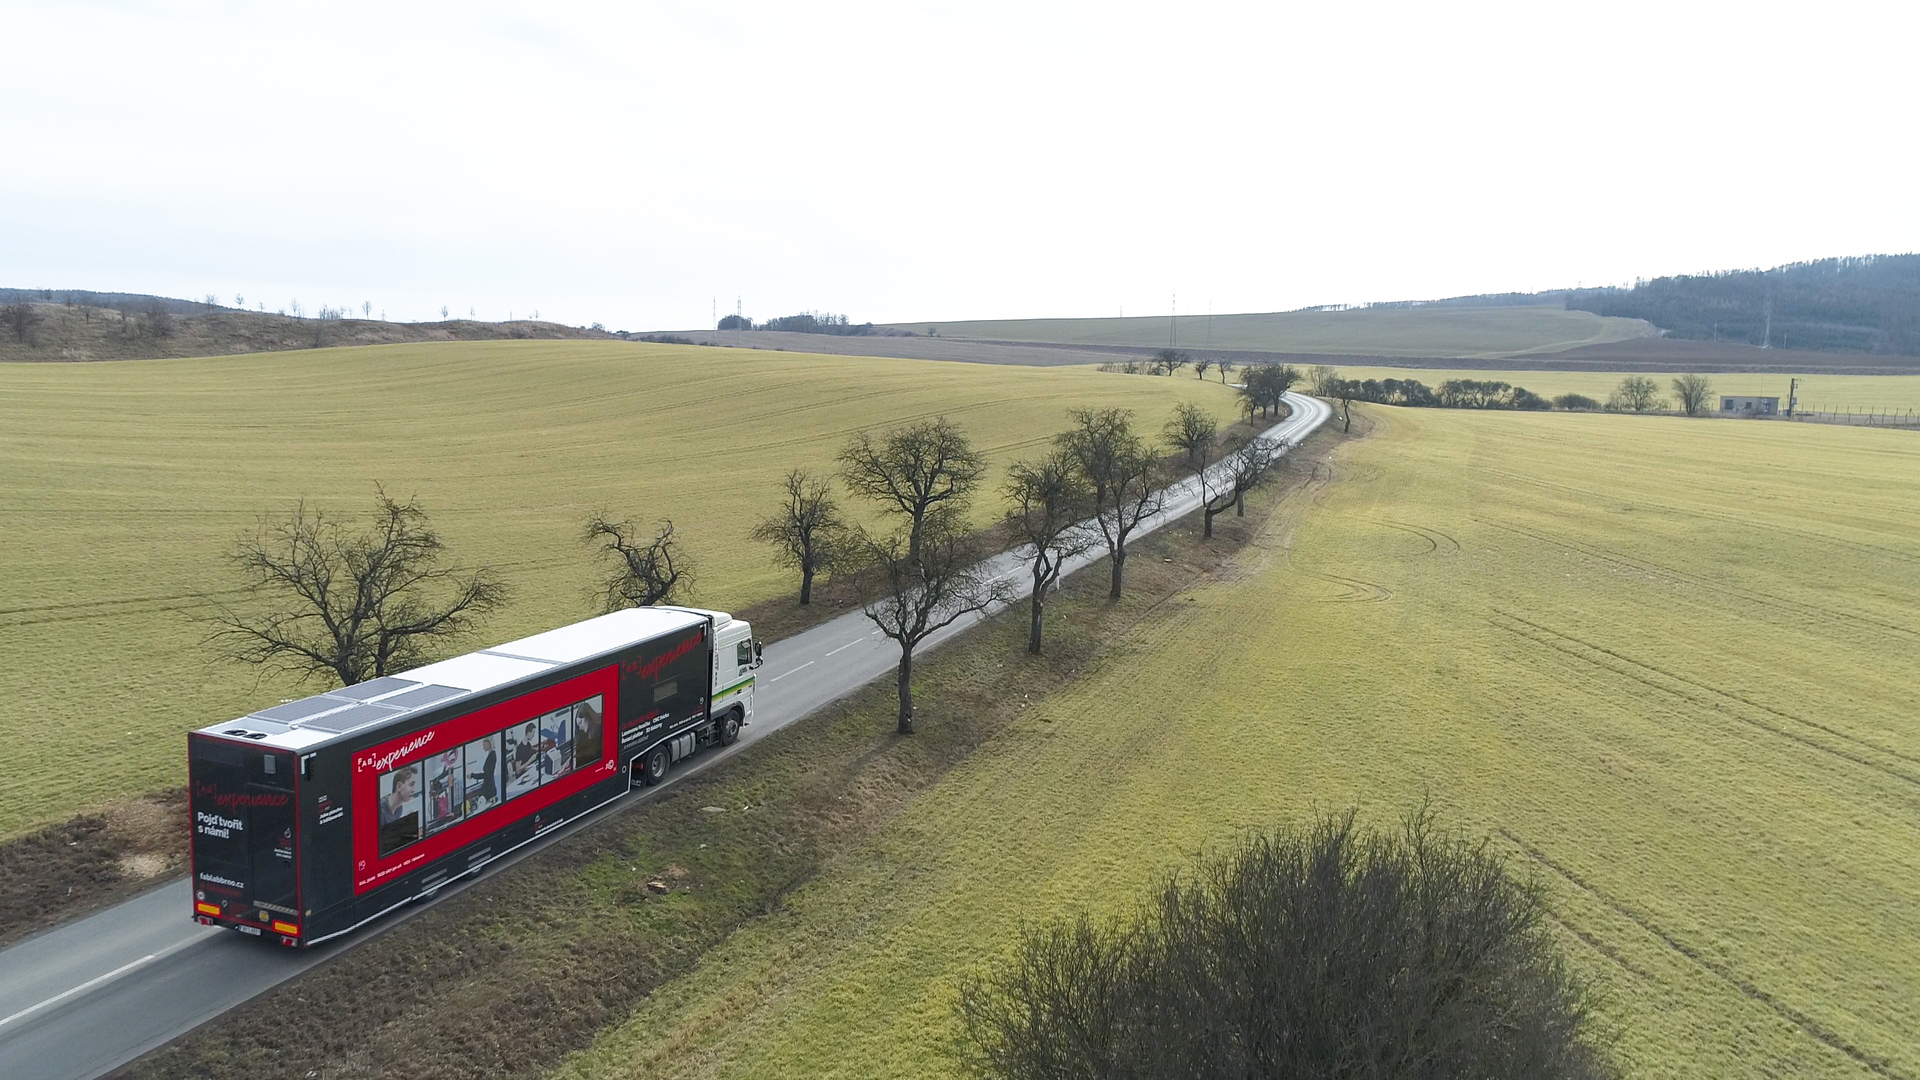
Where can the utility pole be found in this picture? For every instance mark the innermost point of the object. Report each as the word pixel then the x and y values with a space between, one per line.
pixel 1793 396
pixel 1766 336
pixel 1172 309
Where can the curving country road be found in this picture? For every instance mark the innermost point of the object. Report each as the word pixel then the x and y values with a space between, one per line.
pixel 81 999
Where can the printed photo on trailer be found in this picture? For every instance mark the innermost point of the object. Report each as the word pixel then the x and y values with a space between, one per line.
pixel 399 808
pixel 445 804
pixel 556 743
pixel 523 758
pixel 483 775
pixel 588 721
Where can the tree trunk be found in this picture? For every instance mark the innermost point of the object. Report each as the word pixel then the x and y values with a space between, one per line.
pixel 1119 568
pixel 1039 613
pixel 906 692
pixel 1349 424
pixel 806 585
pixel 1208 512
pixel 1240 505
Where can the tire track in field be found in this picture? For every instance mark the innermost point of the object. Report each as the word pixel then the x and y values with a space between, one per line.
pixel 1603 949
pixel 1753 992
pixel 1698 581
pixel 1710 688
pixel 1437 542
pixel 1707 703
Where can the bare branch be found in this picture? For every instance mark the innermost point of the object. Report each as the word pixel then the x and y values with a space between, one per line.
pixel 912 596
pixel 644 574
pixel 808 532
pixel 323 600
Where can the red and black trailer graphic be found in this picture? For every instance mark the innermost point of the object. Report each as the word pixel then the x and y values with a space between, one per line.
pixel 312 817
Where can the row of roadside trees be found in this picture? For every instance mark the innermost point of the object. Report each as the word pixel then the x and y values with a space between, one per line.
pixel 1093 488
pixel 326 599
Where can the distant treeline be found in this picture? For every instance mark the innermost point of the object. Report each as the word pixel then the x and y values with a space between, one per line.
pixel 1870 303
pixel 1451 394
pixel 811 322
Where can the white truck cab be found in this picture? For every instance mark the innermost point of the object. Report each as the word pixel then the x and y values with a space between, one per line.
pixel 735 656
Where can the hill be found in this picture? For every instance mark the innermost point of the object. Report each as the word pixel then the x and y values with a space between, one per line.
pixel 126 483
pixel 1437 330
pixel 65 325
pixel 1868 304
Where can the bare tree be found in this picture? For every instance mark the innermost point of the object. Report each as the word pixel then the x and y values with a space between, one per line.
pixel 1200 366
pixel 366 309
pixel 159 319
pixel 1246 467
pixel 212 302
pixel 918 471
pixel 1346 390
pixel 1193 431
pixel 1693 391
pixel 1168 361
pixel 1265 386
pixel 322 599
pixel 645 573
pixel 1322 379
pixel 808 531
pixel 1636 393
pixel 1226 368
pixel 910 596
pixel 1122 471
pixel 21 316
pixel 1051 502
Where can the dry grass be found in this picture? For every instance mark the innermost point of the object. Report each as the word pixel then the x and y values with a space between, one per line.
pixel 125 483
pixel 529 964
pixel 87 862
pixel 1669 665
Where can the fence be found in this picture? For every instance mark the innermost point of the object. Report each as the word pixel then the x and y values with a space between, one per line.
pixel 1890 418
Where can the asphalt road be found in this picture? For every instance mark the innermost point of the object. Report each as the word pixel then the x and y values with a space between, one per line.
pixel 81 999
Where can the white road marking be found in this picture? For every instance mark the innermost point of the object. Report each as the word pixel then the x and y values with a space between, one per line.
pixel 98 979
pixel 784 674
pixel 848 645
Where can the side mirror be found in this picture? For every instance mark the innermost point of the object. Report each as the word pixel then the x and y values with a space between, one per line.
pixel 758 659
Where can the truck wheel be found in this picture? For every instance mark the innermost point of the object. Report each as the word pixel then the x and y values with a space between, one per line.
pixel 730 728
pixel 654 768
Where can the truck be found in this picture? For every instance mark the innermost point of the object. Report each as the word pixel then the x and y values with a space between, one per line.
pixel 315 816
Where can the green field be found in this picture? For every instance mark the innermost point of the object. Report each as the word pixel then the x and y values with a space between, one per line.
pixel 1424 331
pixel 1826 393
pixel 1668 666
pixel 125 482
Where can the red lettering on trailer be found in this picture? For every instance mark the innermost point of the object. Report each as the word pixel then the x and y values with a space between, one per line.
pixel 652 667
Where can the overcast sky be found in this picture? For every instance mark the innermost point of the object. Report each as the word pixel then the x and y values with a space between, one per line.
pixel 634 163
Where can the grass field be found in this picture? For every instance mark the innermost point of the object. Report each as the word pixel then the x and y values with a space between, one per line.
pixel 1668 666
pixel 126 482
pixel 1825 393
pixel 1425 331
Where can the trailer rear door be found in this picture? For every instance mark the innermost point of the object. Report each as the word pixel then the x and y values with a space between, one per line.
pixel 244 863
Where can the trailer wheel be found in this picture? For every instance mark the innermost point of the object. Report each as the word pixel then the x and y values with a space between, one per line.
pixel 654 768
pixel 730 727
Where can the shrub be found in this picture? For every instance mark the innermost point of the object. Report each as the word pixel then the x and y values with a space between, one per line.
pixel 1576 402
pixel 1324 952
